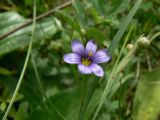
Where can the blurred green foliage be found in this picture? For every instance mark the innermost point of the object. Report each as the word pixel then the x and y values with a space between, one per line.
pixel 83 20
pixel 146 102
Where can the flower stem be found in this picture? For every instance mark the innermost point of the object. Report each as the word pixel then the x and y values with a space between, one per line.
pixel 113 73
pixel 24 67
pixel 83 95
pixel 42 90
pixel 88 95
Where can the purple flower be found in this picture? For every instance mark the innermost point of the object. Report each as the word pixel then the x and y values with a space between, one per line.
pixel 87 58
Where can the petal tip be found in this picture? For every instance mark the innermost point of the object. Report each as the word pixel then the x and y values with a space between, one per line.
pixel 71 58
pixel 101 56
pixel 91 46
pixel 100 74
pixel 84 69
pixel 77 47
pixel 97 70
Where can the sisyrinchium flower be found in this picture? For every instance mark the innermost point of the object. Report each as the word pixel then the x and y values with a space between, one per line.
pixel 87 58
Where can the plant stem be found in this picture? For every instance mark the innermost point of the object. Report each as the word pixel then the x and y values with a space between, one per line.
pixel 84 90
pixel 92 86
pixel 154 36
pixel 24 67
pixel 113 73
pixel 42 88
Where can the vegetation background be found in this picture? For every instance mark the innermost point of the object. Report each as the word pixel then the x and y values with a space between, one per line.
pixel 51 89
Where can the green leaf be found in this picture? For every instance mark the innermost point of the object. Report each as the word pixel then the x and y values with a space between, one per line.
pixel 22 112
pixel 65 102
pixel 100 6
pixel 68 19
pixel 118 7
pixel 20 39
pixel 93 33
pixel 18 98
pixel 10 20
pixel 81 13
pixel 39 114
pixel 3 106
pixel 92 106
pixel 147 98
pixel 5 71
pixel 9 82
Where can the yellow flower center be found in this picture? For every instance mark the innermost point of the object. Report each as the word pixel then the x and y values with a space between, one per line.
pixel 86 61
pixel 90 54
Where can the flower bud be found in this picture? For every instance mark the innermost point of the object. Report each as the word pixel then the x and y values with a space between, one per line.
pixel 143 42
pixel 129 46
pixel 83 31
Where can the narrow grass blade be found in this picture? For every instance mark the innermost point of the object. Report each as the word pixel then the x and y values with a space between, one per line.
pixel 114 45
pixel 24 67
pixel 42 90
pixel 123 27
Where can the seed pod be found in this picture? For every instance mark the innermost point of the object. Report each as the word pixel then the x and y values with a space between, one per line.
pixel 143 42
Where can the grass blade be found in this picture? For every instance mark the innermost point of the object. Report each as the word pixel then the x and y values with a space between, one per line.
pixel 114 45
pixel 24 67
pixel 123 27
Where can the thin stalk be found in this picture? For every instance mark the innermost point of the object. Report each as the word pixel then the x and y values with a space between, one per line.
pixel 24 67
pixel 109 83
pixel 42 88
pixel 84 90
pixel 137 72
pixel 148 61
pixel 92 87
pixel 154 36
pixel 44 15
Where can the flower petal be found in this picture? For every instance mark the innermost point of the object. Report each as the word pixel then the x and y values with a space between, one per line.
pixel 72 58
pixel 84 69
pixel 101 56
pixel 77 47
pixel 97 70
pixel 91 47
